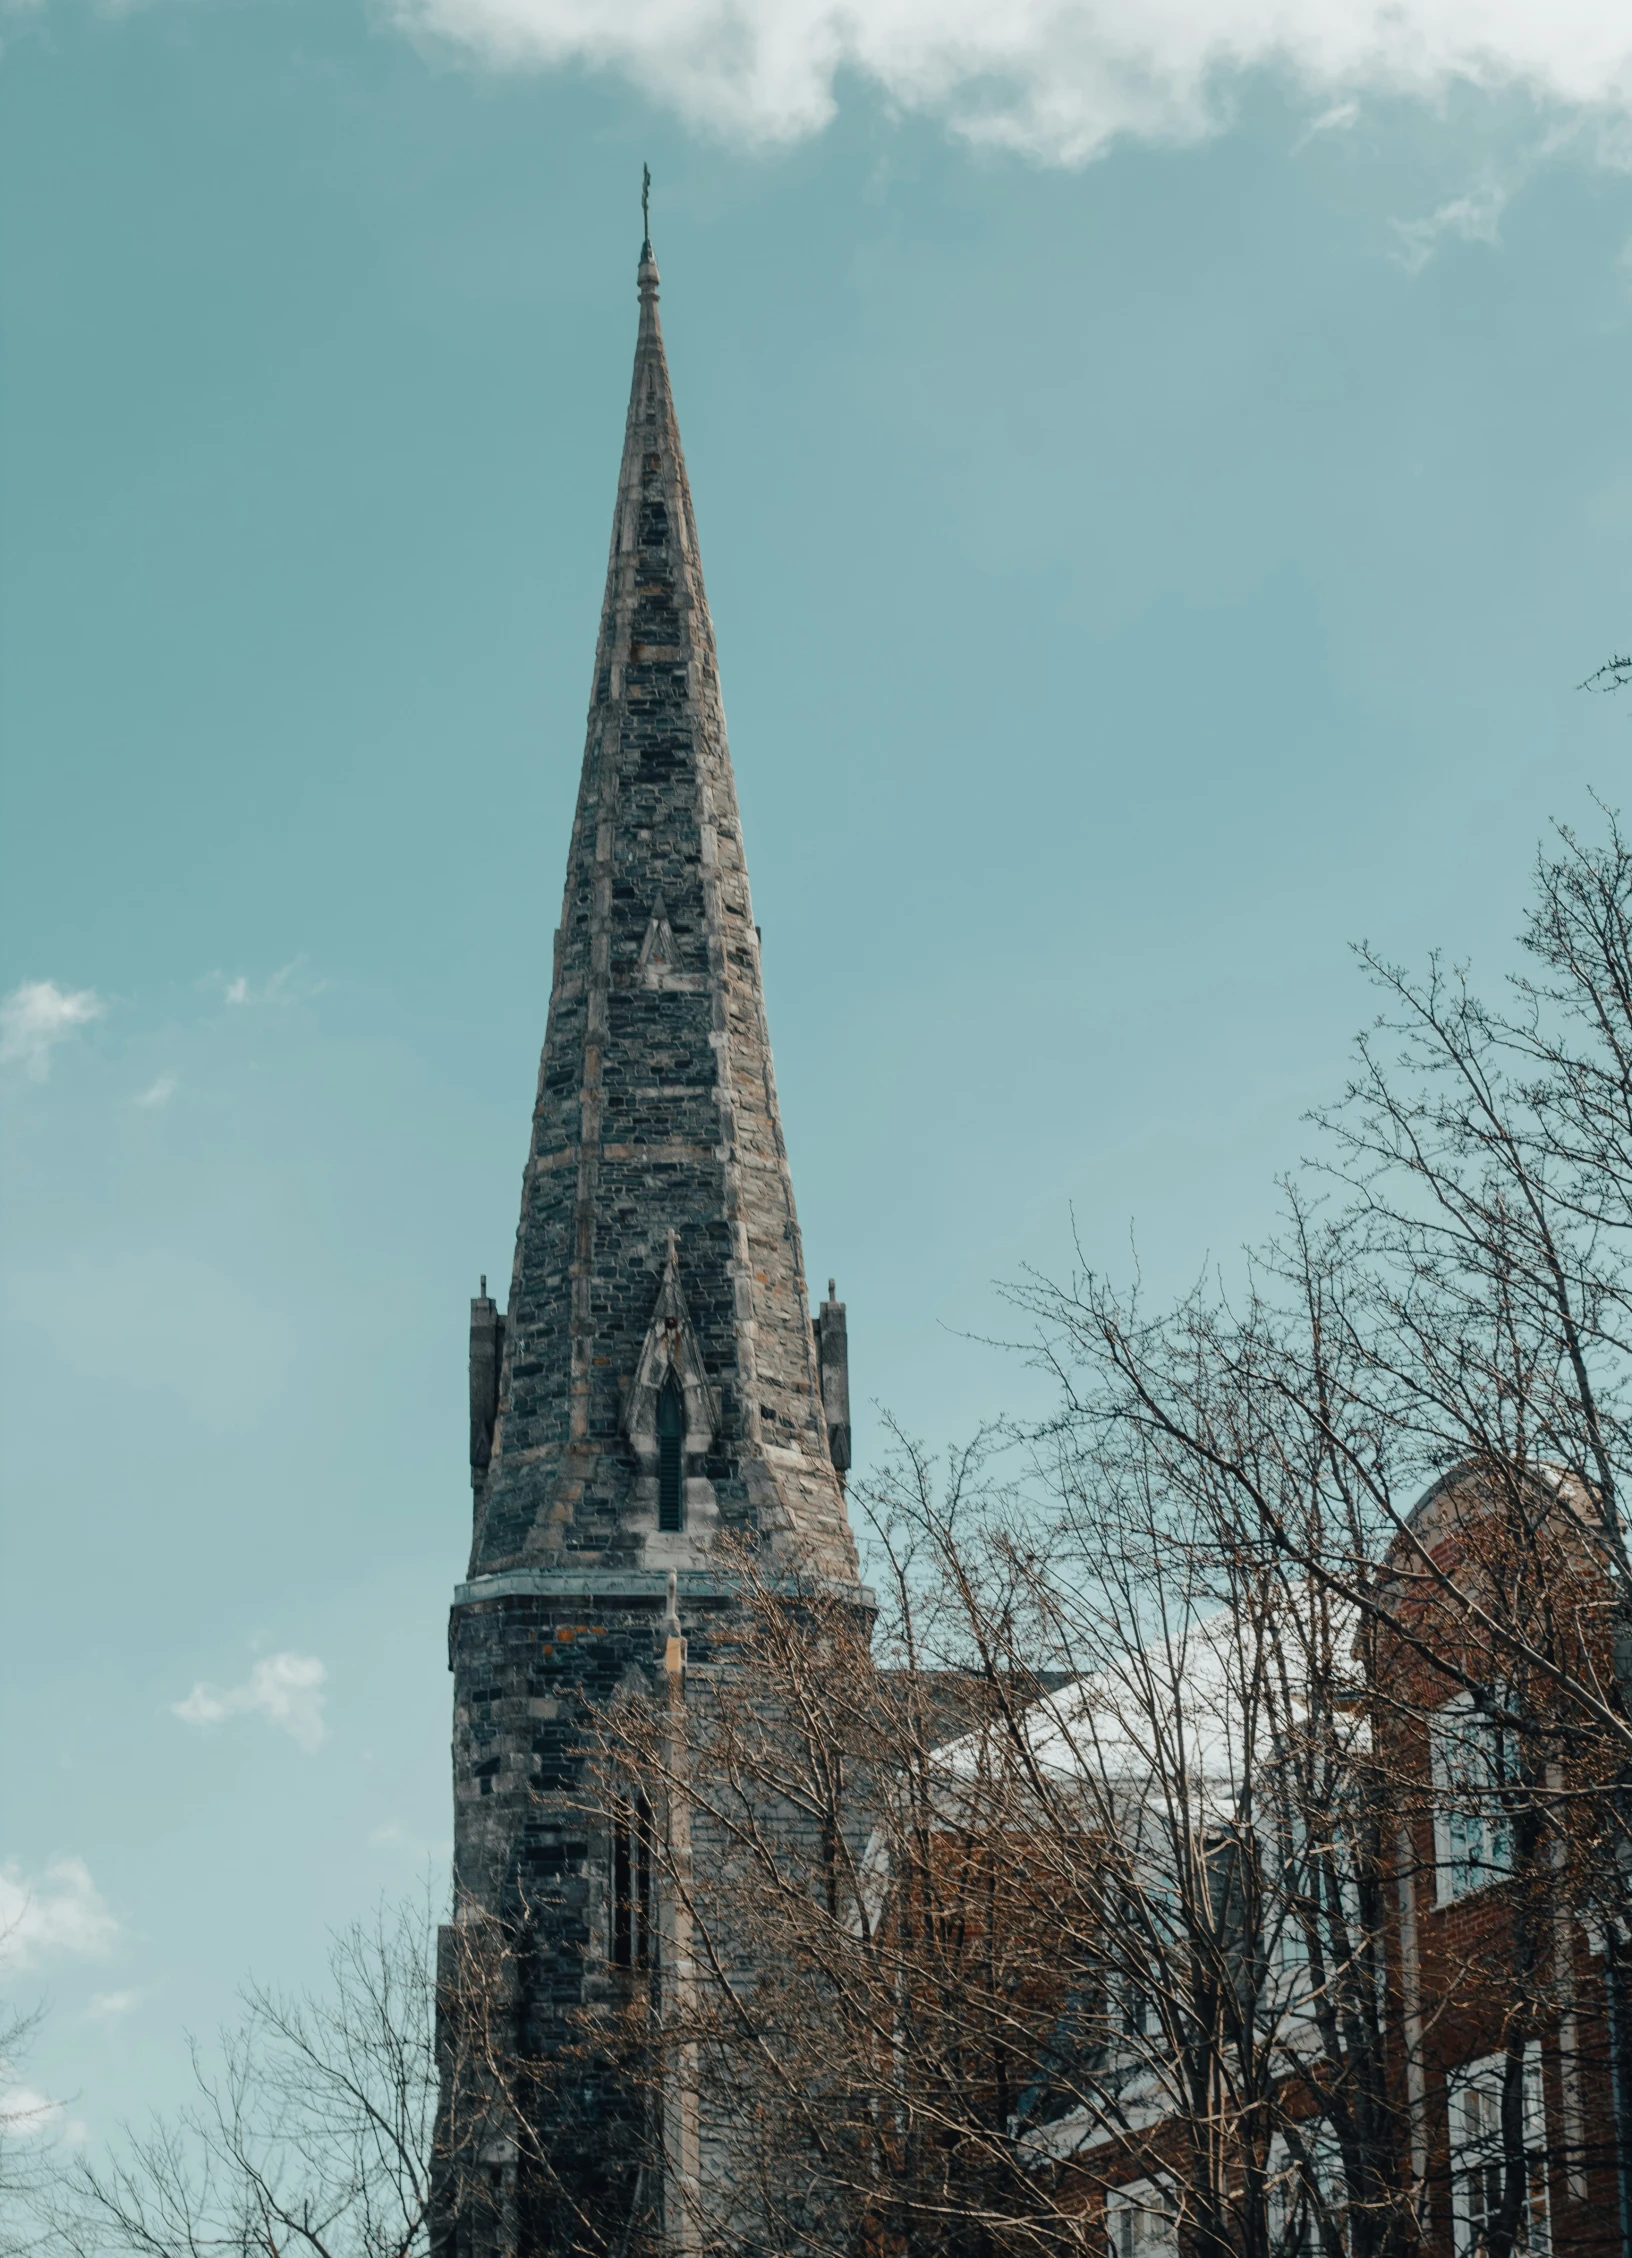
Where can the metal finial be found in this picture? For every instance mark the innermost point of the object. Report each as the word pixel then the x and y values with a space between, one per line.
pixel 646 204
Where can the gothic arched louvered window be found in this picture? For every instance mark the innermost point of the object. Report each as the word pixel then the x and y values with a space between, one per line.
pixel 631 1882
pixel 671 1435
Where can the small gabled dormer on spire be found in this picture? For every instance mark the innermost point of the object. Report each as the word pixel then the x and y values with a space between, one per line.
pixel 671 1418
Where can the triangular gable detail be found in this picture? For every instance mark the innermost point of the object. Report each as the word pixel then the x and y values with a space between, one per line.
pixel 658 953
pixel 671 1345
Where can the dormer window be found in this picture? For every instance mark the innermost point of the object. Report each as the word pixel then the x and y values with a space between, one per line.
pixel 671 1437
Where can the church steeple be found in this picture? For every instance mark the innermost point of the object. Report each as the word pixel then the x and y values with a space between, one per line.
pixel 653 1385
pixel 658 1247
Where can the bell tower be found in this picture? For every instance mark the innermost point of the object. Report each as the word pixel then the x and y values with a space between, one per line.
pixel 654 1394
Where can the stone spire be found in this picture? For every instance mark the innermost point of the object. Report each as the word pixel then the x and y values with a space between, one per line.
pixel 659 1281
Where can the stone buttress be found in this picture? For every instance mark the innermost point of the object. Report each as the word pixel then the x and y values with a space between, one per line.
pixel 654 1390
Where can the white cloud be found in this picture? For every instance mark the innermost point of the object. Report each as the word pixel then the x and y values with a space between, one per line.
pixel 1473 218
pixel 1338 119
pixel 63 1912
pixel 288 985
pixel 38 1015
pixel 158 1093
pixel 285 1689
pixel 1059 79
pixel 106 2004
pixel 23 2112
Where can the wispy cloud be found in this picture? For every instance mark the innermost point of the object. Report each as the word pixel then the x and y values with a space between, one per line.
pixel 1058 79
pixel 1337 119
pixel 285 1689
pixel 1471 218
pixel 285 986
pixel 63 1911
pixel 157 1093
pixel 105 2005
pixel 36 1017
pixel 23 2112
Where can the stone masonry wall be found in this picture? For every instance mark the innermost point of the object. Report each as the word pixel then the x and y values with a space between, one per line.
pixel 657 1235
pixel 656 1108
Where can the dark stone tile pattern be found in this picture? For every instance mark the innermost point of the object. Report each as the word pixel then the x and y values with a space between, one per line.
pixel 529 1674
pixel 656 1114
pixel 656 1107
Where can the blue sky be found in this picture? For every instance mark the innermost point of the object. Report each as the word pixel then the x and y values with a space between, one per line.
pixel 1159 490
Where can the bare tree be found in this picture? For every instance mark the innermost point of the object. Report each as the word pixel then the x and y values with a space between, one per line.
pixel 1455 1323
pixel 25 2120
pixel 1614 674
pixel 1112 1863
pixel 1239 1759
pixel 311 2131
pixel 1068 1881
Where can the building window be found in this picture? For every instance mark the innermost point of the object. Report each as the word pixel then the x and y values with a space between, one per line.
pixel 671 1437
pixel 1479 2163
pixel 1139 2222
pixel 1473 1759
pixel 1140 2015
pixel 1305 2195
pixel 631 1882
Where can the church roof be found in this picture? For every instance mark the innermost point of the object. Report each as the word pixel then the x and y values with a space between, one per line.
pixel 658 1233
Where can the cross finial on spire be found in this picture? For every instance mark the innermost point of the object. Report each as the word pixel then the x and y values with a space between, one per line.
pixel 648 264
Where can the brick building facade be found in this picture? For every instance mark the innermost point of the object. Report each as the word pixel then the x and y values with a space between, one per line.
pixel 1497 1951
pixel 1502 1945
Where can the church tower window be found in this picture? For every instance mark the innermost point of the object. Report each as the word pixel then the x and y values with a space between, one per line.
pixel 631 1882
pixel 671 1435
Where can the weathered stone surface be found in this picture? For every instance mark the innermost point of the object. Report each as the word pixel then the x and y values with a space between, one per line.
pixel 657 1247
pixel 656 1110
